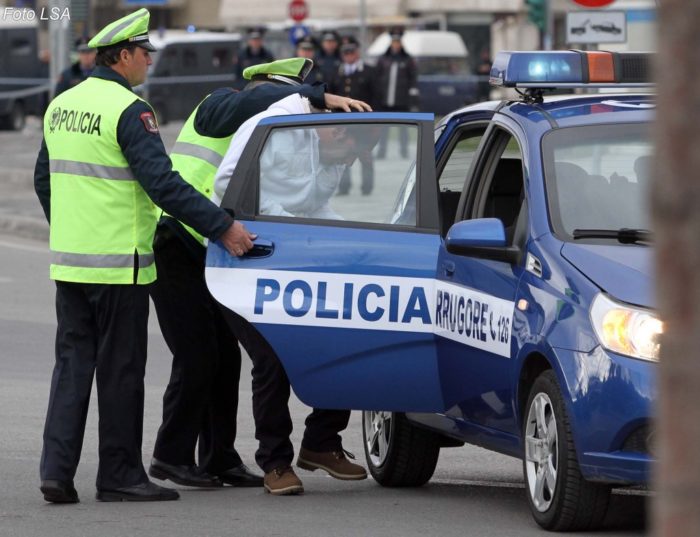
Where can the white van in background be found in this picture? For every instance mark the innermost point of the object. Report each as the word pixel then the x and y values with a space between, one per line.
pixel 444 80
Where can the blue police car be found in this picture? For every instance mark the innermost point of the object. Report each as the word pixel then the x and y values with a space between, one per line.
pixel 491 284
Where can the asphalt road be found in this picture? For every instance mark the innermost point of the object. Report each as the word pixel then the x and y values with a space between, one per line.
pixel 474 492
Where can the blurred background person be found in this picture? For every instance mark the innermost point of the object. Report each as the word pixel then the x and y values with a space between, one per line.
pixel 396 72
pixel 306 48
pixel 355 79
pixel 483 69
pixel 80 70
pixel 328 58
pixel 254 53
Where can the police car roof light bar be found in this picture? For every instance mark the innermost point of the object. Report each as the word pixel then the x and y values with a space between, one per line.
pixel 571 69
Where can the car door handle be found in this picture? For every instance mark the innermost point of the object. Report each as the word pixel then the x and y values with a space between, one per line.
pixel 449 267
pixel 261 248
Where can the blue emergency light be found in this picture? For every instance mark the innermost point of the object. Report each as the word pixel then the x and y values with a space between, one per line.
pixel 571 68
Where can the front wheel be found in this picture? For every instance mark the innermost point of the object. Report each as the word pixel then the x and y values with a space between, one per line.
pixel 560 498
pixel 398 453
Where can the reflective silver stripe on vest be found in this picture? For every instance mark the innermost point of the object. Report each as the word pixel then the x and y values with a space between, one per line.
pixel 91 170
pixel 107 38
pixel 197 151
pixel 100 260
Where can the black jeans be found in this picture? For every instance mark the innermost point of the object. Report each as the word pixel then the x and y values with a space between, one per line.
pixel 273 423
pixel 102 332
pixel 201 400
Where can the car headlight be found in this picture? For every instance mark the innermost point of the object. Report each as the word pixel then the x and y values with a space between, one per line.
pixel 625 329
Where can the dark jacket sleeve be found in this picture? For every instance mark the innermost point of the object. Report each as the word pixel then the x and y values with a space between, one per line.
pixel 150 164
pixel 42 180
pixel 224 111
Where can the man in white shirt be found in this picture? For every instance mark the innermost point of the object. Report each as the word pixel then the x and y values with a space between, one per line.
pixel 300 170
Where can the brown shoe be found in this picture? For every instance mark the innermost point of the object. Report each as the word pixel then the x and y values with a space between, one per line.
pixel 283 482
pixel 333 462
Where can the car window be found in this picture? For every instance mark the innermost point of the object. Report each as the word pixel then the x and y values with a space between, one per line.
pixel 598 178
pixel 455 170
pixel 166 61
pixel 501 192
pixel 331 172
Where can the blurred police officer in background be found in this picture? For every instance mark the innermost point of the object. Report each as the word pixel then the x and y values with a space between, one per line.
pixel 254 53
pixel 328 58
pixel 397 73
pixel 306 48
pixel 101 168
pixel 359 80
pixel 80 70
pixel 201 400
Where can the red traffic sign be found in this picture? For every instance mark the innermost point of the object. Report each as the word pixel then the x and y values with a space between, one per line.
pixel 298 10
pixel 594 3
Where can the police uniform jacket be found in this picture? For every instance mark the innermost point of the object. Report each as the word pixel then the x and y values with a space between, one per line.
pixel 361 84
pixel 70 77
pixel 328 65
pixel 397 80
pixel 142 147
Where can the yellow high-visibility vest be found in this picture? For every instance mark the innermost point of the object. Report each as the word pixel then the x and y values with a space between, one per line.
pixel 102 221
pixel 197 158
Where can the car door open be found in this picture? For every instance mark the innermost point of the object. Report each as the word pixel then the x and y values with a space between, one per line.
pixel 341 281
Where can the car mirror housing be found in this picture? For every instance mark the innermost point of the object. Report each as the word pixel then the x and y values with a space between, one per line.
pixel 484 238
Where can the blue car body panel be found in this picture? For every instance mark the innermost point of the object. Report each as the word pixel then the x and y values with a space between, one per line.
pixel 453 371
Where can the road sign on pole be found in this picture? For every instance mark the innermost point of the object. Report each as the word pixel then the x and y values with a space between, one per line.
pixel 596 27
pixel 298 10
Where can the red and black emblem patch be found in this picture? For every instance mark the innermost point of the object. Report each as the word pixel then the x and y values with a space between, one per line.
pixel 149 122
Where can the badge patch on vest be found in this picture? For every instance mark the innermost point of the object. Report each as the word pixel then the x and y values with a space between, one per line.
pixel 149 122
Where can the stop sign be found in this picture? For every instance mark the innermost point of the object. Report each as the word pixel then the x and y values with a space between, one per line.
pixel 594 3
pixel 298 10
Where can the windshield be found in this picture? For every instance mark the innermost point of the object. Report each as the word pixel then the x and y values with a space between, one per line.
pixel 598 177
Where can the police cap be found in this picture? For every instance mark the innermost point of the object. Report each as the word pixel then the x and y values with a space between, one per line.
pixel 307 42
pixel 131 29
pixel 349 44
pixel 396 33
pixel 81 44
pixel 291 71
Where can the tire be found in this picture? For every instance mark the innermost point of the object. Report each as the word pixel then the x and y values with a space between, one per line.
pixel 16 119
pixel 560 498
pixel 398 454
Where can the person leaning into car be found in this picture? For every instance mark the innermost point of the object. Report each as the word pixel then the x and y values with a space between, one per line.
pixel 101 168
pixel 201 400
pixel 322 444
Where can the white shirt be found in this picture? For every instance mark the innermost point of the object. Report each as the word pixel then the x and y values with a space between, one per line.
pixel 292 180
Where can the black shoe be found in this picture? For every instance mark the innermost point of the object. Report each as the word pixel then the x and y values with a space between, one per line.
pixel 59 491
pixel 189 476
pixel 143 492
pixel 241 476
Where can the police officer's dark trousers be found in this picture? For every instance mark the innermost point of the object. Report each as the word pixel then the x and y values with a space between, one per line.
pixel 201 399
pixel 273 423
pixel 102 332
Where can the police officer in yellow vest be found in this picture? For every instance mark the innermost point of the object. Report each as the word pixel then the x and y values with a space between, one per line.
pixel 100 173
pixel 201 400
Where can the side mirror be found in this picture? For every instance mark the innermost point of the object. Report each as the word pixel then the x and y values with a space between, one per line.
pixel 484 238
